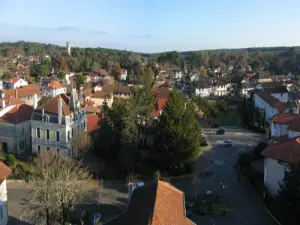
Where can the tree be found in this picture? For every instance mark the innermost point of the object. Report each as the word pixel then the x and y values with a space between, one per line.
pixel 288 199
pixel 73 64
pixel 59 184
pixel 7 76
pixel 179 138
pixel 82 143
pixel 116 71
pixel 149 76
pixel 61 75
pixel 79 80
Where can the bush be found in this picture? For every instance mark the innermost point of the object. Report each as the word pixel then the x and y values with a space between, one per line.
pixel 10 160
pixel 244 160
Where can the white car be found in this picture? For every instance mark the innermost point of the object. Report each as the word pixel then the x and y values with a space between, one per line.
pixel 227 143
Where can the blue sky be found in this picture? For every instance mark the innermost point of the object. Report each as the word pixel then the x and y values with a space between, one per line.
pixel 153 25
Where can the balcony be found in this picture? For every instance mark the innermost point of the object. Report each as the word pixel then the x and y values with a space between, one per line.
pixel 49 143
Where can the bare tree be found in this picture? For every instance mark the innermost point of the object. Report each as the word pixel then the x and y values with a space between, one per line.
pixel 57 185
pixel 82 142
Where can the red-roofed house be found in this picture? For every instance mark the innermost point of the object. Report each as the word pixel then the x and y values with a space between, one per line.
pixel 53 89
pixel 4 173
pixel 268 103
pixel 16 82
pixel 92 121
pixel 162 95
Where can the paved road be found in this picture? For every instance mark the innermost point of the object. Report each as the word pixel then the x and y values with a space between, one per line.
pixel 221 160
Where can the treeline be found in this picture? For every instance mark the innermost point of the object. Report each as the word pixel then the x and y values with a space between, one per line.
pixel 276 60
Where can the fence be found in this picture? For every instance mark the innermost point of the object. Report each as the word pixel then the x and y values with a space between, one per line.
pixel 258 202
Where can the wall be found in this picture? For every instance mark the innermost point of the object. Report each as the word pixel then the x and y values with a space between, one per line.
pixel 261 104
pixel 13 135
pixel 278 130
pixel 273 174
pixel 203 92
pixel 283 97
pixel 99 101
pixel 293 134
pixel 3 203
pixel 54 92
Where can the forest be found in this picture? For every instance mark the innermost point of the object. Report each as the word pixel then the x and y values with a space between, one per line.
pixel 276 60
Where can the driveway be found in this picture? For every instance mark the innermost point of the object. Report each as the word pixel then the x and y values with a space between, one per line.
pixel 219 162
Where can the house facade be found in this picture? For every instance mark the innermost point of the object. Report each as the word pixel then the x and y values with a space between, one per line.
pixel 4 173
pixel 16 82
pixel 53 89
pixel 55 124
pixel 123 75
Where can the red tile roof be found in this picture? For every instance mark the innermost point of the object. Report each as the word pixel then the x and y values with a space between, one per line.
pixel 17 114
pixel 102 72
pixel 288 151
pixel 28 90
pixel 14 80
pixel 92 122
pixel 55 85
pixel 156 203
pixel 10 100
pixel 4 172
pixel 51 106
pixel 284 118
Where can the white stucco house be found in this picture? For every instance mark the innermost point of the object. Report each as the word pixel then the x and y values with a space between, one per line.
pixel 283 150
pixel 16 82
pixel 4 173
pixel 178 75
pixel 53 89
pixel 123 75
pixel 194 77
pixel 55 124
pixel 246 87
pixel 203 90
pixel 268 103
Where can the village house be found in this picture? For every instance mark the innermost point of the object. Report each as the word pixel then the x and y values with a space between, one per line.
pixel 15 125
pixel 123 75
pixel 4 173
pixel 268 103
pixel 162 204
pixel 203 89
pixel 15 82
pixel 28 93
pixel 162 95
pixel 56 123
pixel 219 87
pixel 100 97
pixel 53 88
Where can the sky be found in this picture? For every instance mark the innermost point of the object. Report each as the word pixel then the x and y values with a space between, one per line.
pixel 153 25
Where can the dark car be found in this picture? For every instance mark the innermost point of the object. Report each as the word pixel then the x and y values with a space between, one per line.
pixel 220 131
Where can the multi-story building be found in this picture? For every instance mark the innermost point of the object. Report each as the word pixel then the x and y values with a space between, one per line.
pixel 55 124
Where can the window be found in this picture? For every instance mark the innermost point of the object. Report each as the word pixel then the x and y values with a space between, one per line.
pixel 1 212
pixel 47 134
pixel 72 132
pixel 69 152
pixel 48 148
pixel 57 151
pixel 38 132
pixel 69 135
pixel 39 149
pixel 23 131
pixel 57 135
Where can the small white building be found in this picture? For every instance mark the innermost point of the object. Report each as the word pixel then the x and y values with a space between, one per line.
pixel 16 82
pixel 55 124
pixel 4 173
pixel 178 75
pixel 268 103
pixel 194 77
pixel 277 158
pixel 203 90
pixel 123 75
pixel 53 89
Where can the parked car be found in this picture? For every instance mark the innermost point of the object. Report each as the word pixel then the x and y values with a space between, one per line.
pixel 227 143
pixel 220 131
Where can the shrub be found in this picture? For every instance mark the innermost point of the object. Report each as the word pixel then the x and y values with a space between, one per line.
pixel 244 160
pixel 10 160
pixel 258 149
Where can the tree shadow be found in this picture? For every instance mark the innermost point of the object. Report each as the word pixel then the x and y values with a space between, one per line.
pixel 15 221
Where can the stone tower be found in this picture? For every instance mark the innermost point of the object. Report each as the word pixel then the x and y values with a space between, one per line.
pixel 69 48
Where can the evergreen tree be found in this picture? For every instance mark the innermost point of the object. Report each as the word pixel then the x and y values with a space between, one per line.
pixel 288 199
pixel 179 137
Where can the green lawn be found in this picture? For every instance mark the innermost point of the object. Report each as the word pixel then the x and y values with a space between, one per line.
pixel 229 119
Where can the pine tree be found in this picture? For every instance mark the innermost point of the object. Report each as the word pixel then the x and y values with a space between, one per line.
pixel 179 138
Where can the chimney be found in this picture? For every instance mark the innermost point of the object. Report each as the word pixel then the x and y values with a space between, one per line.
pixel 3 103
pixel 59 109
pixel 35 101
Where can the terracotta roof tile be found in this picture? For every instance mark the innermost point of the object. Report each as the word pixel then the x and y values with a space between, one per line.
pixel 284 118
pixel 51 106
pixel 28 90
pixel 10 100
pixel 92 122
pixel 288 151
pixel 4 172
pixel 100 94
pixel 17 114
pixel 55 85
pixel 156 203
pixel 280 138
pixel 14 80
